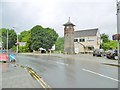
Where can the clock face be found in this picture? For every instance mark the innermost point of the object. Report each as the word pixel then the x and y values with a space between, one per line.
pixel 67 27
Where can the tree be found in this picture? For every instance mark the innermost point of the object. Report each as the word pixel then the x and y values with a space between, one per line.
pixel 59 45
pixel 0 36
pixel 12 38
pixel 105 38
pixel 42 38
pixel 111 44
pixel 24 36
pixel 0 39
pixel 107 44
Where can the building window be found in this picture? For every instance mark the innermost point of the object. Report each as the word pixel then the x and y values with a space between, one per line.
pixel 90 48
pixel 82 40
pixel 75 40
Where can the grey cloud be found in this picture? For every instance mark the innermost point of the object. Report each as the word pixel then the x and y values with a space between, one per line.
pixel 83 13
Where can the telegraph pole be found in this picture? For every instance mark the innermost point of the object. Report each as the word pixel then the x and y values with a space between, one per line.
pixel 118 27
pixel 16 43
pixel 118 32
pixel 7 41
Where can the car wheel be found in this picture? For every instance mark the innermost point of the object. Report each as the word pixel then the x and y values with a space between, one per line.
pixel 116 57
pixel 93 54
pixel 4 61
pixel 101 55
pixel 107 57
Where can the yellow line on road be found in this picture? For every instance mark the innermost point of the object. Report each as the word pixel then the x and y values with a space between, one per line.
pixel 36 77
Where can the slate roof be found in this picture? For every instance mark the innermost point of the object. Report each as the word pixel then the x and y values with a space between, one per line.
pixel 87 32
pixel 68 23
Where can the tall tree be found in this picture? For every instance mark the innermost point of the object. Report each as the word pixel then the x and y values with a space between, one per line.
pixel 59 45
pixel 107 44
pixel 24 36
pixel 0 39
pixel 42 37
pixel 105 38
pixel 12 38
pixel 0 35
pixel 111 44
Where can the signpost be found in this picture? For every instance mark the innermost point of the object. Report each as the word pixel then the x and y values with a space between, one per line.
pixel 17 42
pixel 118 32
pixel 7 41
pixel 118 26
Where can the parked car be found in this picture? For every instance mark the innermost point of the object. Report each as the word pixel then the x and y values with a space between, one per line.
pixel 112 54
pixel 98 52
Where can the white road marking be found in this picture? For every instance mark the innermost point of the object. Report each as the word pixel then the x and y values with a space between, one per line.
pixel 61 63
pixel 100 74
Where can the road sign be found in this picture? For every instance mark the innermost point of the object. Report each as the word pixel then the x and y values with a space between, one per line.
pixel 116 37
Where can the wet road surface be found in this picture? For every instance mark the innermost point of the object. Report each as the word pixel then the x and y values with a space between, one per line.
pixel 82 71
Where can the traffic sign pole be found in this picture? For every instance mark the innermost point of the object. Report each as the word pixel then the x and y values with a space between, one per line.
pixel 7 41
pixel 118 27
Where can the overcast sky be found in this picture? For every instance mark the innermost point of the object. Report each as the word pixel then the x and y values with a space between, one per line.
pixel 85 14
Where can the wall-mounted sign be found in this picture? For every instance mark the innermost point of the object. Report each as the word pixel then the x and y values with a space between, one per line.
pixel 116 37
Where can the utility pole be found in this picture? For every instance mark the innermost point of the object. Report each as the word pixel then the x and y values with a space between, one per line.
pixel 118 32
pixel 118 27
pixel 7 41
pixel 17 42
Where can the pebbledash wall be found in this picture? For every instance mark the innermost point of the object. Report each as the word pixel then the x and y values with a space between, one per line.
pixel 80 41
pixel 85 41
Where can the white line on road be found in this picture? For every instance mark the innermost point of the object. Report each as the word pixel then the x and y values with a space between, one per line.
pixel 61 63
pixel 100 74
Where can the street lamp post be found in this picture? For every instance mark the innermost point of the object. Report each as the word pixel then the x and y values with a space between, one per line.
pixel 7 41
pixel 16 43
pixel 118 26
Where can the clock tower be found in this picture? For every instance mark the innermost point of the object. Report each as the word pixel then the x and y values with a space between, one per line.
pixel 69 37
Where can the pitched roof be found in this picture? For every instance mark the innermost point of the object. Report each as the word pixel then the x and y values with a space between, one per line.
pixel 68 23
pixel 87 32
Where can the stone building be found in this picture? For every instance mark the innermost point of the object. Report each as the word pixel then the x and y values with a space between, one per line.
pixel 82 41
pixel 69 38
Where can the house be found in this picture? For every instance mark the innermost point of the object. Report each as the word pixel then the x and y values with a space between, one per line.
pixel 85 41
pixel 22 43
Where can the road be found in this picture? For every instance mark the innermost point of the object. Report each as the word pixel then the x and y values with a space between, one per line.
pixel 72 71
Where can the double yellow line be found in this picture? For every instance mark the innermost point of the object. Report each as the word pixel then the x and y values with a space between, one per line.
pixel 36 77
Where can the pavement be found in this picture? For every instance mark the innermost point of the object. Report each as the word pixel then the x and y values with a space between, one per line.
pixel 14 76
